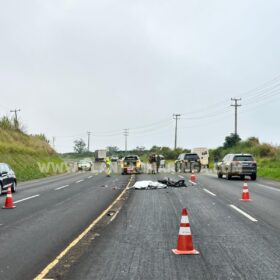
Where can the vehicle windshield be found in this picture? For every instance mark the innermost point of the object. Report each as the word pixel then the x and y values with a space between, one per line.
pixel 131 158
pixel 243 158
pixel 191 157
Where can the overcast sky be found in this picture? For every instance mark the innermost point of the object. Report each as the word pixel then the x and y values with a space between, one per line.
pixel 102 66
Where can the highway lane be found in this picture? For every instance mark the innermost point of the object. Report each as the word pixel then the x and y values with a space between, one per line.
pixel 50 213
pixel 232 246
pixel 265 196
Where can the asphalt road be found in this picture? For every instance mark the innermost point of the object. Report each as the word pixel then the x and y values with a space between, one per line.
pixel 50 213
pixel 232 245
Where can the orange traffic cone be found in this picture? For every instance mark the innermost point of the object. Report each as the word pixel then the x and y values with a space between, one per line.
pixel 9 200
pixel 245 192
pixel 185 243
pixel 193 177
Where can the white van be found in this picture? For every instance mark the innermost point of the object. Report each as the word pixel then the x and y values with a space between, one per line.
pixel 203 155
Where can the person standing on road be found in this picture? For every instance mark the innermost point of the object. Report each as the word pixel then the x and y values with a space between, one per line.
pixel 158 162
pixel 108 166
pixel 152 161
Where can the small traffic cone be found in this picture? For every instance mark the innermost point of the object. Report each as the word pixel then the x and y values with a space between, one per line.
pixel 245 192
pixel 193 177
pixel 9 200
pixel 185 243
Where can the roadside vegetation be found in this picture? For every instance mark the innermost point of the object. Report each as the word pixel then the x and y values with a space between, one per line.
pixel 25 153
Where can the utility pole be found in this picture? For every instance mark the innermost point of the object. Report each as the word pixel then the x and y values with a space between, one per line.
pixel 125 133
pixel 53 142
pixel 176 117
pixel 88 133
pixel 235 105
pixel 16 117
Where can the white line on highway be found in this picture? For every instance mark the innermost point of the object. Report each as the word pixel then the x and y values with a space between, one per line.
pixel 193 183
pixel 243 213
pixel 270 188
pixel 181 176
pixel 60 188
pixel 209 192
pixel 30 197
pixel 89 177
pixel 114 217
pixel 79 181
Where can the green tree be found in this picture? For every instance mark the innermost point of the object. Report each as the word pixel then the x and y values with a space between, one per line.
pixel 79 146
pixel 112 150
pixel 231 140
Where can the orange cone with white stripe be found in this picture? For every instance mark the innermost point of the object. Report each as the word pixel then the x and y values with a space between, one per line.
pixel 193 177
pixel 245 192
pixel 9 204
pixel 185 243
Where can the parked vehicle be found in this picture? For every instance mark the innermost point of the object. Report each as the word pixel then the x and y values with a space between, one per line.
pixel 85 165
pixel 7 178
pixel 131 164
pixel 162 161
pixel 188 161
pixel 100 155
pixel 114 159
pixel 237 165
pixel 203 155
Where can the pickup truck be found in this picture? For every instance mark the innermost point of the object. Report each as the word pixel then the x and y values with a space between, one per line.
pixel 131 164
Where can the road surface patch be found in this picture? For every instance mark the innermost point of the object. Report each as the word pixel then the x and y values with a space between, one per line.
pixel 243 213
pixel 27 198
pixel 270 188
pixel 57 260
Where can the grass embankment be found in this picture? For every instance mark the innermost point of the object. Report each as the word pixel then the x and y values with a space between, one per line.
pixel 25 154
pixel 266 155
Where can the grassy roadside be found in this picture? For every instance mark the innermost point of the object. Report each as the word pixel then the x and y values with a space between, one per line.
pixel 269 168
pixel 25 154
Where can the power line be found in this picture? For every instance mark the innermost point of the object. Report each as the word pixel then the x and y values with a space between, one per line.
pixel 176 117
pixel 235 105
pixel 16 116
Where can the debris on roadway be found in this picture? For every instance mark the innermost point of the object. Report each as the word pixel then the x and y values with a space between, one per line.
pixel 148 185
pixel 160 184
pixel 174 184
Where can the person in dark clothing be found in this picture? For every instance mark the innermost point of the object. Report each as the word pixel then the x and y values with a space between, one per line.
pixel 158 162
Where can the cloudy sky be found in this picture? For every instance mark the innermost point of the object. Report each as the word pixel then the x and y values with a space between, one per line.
pixel 102 66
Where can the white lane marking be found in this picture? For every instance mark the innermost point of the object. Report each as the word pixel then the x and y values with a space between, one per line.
pixel 79 181
pixel 243 213
pixel 89 177
pixel 60 188
pixel 114 217
pixel 30 197
pixel 267 187
pixel 181 176
pixel 209 192
pixel 193 183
